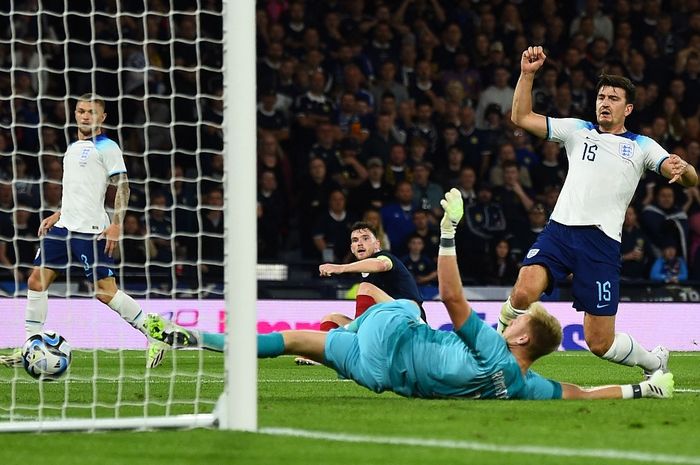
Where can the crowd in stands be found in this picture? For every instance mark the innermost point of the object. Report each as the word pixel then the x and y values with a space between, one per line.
pixel 366 110
pixel 377 108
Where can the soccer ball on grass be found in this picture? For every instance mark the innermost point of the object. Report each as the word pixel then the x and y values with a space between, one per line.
pixel 46 355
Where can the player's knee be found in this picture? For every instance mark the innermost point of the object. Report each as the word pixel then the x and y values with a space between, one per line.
pixel 598 346
pixel 521 297
pixel 35 283
pixel 104 298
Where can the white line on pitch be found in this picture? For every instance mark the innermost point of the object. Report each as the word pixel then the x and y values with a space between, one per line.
pixel 614 454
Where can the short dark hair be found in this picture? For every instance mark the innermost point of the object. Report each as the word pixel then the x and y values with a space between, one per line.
pixel 362 225
pixel 94 98
pixel 621 82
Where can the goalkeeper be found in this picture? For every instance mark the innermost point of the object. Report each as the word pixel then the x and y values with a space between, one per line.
pixel 389 348
pixel 81 228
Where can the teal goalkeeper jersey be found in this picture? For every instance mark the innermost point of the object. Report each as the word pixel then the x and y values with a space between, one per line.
pixel 394 351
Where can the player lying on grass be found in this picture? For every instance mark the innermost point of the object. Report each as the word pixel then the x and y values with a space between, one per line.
pixel 377 267
pixel 389 348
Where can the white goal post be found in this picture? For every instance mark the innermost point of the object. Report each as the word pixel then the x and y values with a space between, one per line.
pixel 47 62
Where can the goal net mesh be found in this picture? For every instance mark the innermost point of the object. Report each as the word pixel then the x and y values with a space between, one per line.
pixel 158 66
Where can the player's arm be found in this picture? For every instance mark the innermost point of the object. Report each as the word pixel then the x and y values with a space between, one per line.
pixel 368 265
pixel 532 59
pixel 121 202
pixel 659 386
pixel 449 282
pixel 677 169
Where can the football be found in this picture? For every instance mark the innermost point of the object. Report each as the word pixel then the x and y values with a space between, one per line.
pixel 46 356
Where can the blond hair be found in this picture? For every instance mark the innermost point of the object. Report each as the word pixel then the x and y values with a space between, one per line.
pixel 545 331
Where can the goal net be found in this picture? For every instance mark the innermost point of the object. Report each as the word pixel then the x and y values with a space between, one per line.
pixel 158 64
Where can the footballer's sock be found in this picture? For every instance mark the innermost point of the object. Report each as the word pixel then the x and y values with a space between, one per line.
pixel 626 351
pixel 128 309
pixel 35 312
pixel 508 314
pixel 270 345
pixel 212 341
pixel 362 303
pixel 328 325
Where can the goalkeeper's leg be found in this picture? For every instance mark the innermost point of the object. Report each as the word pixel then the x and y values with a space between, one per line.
pixel 309 344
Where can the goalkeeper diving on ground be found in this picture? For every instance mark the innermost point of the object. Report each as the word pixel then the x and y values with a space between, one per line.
pixel 389 348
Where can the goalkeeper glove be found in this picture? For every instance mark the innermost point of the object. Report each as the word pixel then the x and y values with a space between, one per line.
pixel 454 209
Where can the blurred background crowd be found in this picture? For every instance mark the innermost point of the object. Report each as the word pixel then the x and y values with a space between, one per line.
pixel 367 110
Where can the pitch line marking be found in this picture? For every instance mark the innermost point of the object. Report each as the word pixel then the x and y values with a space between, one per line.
pixel 614 454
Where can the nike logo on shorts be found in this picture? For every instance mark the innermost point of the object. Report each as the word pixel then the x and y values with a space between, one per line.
pixel 602 306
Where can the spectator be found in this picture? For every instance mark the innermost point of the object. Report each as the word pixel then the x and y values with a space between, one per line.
pixel 499 93
pixel 669 267
pixel 663 219
pixel 374 217
pixel 325 148
pixel 332 232
pixel 515 200
pixel 272 217
pixel 136 250
pixel 428 232
pixel 397 217
pixel 18 245
pixel 500 268
pixel 537 219
pixel 448 176
pixel 635 248
pixel 387 83
pixel 421 266
pixel 483 220
pixel 160 227
pixel 467 184
pixel 374 192
pixel 550 171
pixel 351 173
pixel 212 239
pixel 398 169
pixel 426 194
pixel 313 203
pixel 270 117
pixel 380 140
pixel 424 127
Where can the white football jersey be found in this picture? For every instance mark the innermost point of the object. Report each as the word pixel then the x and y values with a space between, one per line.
pixel 604 170
pixel 87 166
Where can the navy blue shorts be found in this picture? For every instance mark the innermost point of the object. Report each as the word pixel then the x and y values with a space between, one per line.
pixel 57 247
pixel 592 257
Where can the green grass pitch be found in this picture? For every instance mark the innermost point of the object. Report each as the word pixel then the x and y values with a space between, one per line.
pixel 355 425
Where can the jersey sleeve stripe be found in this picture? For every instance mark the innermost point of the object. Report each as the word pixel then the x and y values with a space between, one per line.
pixel 658 164
pixel 549 131
pixel 112 173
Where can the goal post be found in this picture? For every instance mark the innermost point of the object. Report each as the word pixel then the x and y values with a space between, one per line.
pixel 178 80
pixel 240 400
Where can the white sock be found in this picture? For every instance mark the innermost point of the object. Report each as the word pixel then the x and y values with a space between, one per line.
pixel 626 351
pixel 128 309
pixel 35 311
pixel 508 314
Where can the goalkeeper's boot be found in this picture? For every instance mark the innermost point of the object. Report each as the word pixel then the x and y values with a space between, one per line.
pixel 156 353
pixel 12 360
pixel 168 332
pixel 663 354
pixel 660 385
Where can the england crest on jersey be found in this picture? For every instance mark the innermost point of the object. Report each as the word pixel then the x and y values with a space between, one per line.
pixel 626 149
pixel 82 161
